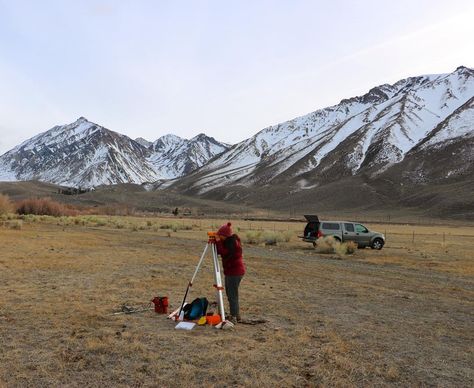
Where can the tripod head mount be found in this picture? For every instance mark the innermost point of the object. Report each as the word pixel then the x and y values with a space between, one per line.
pixel 212 236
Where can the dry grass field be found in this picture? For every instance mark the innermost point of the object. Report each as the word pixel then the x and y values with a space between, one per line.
pixel 401 316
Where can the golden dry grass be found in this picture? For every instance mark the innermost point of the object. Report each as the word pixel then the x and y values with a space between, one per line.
pixel 401 316
pixel 6 205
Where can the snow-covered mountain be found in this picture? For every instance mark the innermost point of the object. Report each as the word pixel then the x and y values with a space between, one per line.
pixel 86 154
pixel 361 135
pixel 418 130
pixel 173 156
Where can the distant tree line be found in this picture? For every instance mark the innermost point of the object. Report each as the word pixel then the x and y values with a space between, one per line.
pixel 74 190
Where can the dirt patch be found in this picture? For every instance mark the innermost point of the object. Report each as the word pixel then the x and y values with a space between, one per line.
pixel 390 317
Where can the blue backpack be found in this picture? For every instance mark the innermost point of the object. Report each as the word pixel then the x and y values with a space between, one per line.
pixel 196 309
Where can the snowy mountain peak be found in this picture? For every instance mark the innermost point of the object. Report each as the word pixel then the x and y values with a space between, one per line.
pixel 86 154
pixel 145 143
pixel 169 137
pixel 363 134
pixel 188 155
pixel 167 142
pixel 464 70
pixel 200 137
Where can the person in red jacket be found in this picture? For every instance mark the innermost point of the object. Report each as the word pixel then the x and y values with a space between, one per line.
pixel 230 248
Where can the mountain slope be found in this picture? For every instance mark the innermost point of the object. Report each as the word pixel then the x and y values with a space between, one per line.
pixel 408 144
pixel 85 154
pixel 362 135
pixel 446 152
pixel 173 156
pixel 78 154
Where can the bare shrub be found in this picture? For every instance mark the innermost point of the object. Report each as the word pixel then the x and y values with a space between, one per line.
pixel 346 248
pixel 267 237
pixel 351 247
pixel 6 205
pixel 175 227
pixel 393 374
pixel 326 244
pixel 270 238
pixel 45 207
pixel 102 222
pixel 16 225
pixel 287 235
pixel 169 226
pixel 64 221
pixel 115 210
pixel 31 218
pixel 253 237
pixel 340 249
pixel 120 224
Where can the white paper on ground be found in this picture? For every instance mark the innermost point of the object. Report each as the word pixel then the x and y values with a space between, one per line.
pixel 185 325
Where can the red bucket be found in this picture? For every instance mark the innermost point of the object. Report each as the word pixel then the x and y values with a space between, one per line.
pixel 161 304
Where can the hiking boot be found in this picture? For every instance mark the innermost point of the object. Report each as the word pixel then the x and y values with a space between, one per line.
pixel 232 319
pixel 239 318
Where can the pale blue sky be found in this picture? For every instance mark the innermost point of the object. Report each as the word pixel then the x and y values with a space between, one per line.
pixel 226 68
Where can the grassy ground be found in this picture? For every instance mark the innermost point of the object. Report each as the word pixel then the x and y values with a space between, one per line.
pixel 401 316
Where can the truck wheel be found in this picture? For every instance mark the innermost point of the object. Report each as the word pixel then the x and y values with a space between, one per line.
pixel 377 244
pixel 337 239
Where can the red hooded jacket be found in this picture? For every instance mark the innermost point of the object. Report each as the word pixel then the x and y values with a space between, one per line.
pixel 233 263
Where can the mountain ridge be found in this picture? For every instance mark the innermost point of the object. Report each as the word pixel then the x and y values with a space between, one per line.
pixel 86 154
pixel 370 133
pixel 404 143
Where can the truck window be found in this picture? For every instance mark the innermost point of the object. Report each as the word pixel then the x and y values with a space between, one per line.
pixel 361 228
pixel 331 226
pixel 349 227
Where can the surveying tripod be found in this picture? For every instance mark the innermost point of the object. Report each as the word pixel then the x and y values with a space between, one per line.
pixel 211 243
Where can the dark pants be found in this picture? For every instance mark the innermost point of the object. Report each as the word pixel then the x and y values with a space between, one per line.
pixel 232 291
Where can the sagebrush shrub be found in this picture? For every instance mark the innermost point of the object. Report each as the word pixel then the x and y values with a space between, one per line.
pixel 271 238
pixel 17 224
pixel 326 244
pixel 287 236
pixel 253 237
pixel 346 248
pixel 267 237
pixel 351 247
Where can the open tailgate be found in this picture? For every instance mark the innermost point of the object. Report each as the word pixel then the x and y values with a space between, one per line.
pixel 311 218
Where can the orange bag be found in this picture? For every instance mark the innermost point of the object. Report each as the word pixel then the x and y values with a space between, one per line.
pixel 213 320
